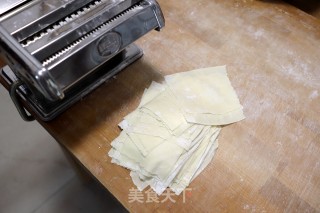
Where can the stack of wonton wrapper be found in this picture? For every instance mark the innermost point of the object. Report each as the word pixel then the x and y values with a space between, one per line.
pixel 172 136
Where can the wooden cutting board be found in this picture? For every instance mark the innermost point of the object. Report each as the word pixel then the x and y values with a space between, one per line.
pixel 270 162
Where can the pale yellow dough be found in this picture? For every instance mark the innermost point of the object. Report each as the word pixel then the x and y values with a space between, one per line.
pixel 164 107
pixel 194 163
pixel 172 136
pixel 206 96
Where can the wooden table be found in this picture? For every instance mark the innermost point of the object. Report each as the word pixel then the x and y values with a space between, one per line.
pixel 270 162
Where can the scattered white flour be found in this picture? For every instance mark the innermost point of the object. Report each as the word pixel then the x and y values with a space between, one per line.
pixel 314 94
pixel 258 34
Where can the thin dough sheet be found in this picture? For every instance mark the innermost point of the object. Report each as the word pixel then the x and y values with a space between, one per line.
pixel 172 136
pixel 207 93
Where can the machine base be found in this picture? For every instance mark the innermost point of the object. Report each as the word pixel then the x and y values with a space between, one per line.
pixel 47 110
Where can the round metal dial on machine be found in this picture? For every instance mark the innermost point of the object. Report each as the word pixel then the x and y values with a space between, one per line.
pixel 109 44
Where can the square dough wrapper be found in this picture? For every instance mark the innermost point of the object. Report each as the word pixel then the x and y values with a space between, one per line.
pixel 196 162
pixel 206 96
pixel 164 107
pixel 164 175
pixel 159 167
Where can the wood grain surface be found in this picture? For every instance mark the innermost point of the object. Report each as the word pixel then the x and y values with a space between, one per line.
pixel 270 162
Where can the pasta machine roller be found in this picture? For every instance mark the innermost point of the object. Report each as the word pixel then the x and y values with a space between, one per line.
pixel 57 51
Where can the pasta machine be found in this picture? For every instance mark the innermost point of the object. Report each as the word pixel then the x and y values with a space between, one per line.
pixel 57 51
